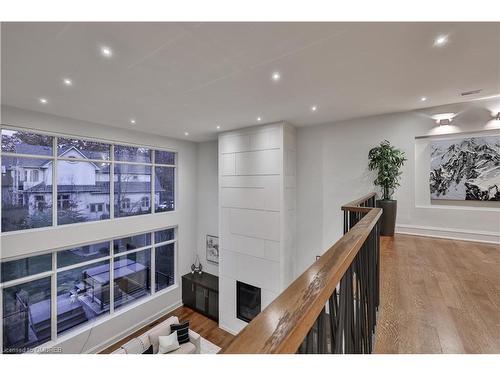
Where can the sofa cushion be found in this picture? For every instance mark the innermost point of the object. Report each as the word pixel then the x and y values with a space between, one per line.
pixel 187 348
pixel 162 329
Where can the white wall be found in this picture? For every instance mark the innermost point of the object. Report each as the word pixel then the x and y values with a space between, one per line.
pixel 207 201
pixel 252 215
pixel 332 170
pixel 27 242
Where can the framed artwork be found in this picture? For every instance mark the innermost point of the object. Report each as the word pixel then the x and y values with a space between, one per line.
pixel 212 249
pixel 466 169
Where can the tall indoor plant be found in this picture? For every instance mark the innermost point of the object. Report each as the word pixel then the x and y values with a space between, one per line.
pixel 387 161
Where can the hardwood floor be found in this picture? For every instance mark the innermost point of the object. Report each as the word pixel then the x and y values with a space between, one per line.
pixel 204 326
pixel 438 296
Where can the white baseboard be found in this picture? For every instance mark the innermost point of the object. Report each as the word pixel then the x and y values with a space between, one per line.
pixel 449 233
pixel 135 327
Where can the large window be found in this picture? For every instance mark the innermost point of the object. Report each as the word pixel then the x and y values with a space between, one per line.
pixel 85 282
pixel 87 180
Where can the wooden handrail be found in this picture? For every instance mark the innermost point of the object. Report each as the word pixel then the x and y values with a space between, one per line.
pixel 355 204
pixel 283 325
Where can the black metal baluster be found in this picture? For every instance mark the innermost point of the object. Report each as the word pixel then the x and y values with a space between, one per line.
pixel 334 318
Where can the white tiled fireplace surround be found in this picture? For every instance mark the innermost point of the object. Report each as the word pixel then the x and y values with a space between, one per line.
pixel 257 172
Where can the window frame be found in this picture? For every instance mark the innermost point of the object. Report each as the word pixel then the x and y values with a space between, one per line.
pixel 61 200
pixel 54 158
pixel 112 313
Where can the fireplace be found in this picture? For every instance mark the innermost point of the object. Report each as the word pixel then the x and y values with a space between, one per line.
pixel 247 301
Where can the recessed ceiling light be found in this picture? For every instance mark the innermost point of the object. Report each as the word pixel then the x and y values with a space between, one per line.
pixel 276 76
pixel 106 51
pixel 132 120
pixel 218 127
pixel 423 99
pixel 43 100
pixel 186 134
pixel 314 108
pixel 441 40
pixel 259 119
pixel 67 82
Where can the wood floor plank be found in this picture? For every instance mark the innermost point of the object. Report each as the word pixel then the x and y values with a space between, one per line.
pixel 438 296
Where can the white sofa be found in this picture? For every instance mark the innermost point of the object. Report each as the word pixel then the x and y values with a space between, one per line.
pixel 140 344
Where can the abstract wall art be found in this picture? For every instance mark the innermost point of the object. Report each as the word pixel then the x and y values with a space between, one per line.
pixel 466 169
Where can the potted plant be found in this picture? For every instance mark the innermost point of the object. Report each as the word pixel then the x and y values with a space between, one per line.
pixel 387 161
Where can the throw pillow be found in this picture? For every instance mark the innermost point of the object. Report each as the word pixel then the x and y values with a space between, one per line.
pixel 182 331
pixel 168 343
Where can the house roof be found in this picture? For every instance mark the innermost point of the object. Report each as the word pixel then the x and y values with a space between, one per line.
pixel 99 188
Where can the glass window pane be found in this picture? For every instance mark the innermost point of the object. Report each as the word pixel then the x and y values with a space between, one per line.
pixel 164 157
pixel 26 315
pixel 82 191
pixel 82 149
pixel 26 193
pixel 164 189
pixel 135 154
pixel 22 142
pixel 132 277
pixel 15 269
pixel 164 235
pixel 131 243
pixel 82 295
pixel 164 266
pixel 132 190
pixel 82 254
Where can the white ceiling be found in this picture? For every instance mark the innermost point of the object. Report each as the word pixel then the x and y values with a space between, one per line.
pixel 177 77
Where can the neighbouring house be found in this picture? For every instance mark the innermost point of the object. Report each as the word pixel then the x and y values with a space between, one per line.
pixel 83 186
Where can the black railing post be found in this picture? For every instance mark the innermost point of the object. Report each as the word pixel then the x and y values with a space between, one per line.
pixel 349 325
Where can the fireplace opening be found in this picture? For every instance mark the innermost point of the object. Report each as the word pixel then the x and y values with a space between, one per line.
pixel 247 301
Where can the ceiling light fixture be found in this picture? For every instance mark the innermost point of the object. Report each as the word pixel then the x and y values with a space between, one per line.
pixel 441 40
pixel 259 119
pixel 444 118
pixel 276 76
pixel 106 51
pixel 67 82
pixel 218 127
pixel 132 120
pixel 186 134
pixel 314 108
pixel 423 99
pixel 43 100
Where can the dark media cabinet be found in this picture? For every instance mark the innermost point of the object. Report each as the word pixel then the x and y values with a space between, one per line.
pixel 201 293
